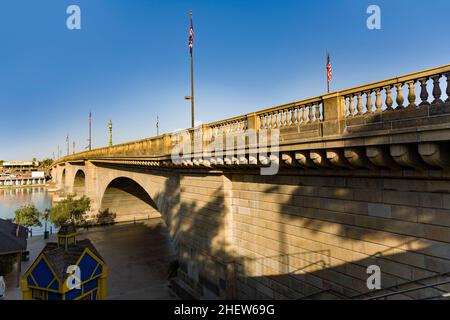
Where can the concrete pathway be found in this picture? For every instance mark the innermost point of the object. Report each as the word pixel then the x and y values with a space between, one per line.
pixel 137 256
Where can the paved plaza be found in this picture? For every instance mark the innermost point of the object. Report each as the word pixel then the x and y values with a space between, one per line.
pixel 137 256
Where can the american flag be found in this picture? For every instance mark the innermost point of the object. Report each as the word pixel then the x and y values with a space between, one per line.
pixel 329 73
pixel 191 37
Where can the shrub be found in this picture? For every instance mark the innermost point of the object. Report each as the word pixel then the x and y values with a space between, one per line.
pixel 70 210
pixel 106 217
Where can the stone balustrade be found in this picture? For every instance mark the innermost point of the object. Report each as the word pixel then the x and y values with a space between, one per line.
pixel 349 128
pixel 238 124
pixel 389 95
pixel 293 114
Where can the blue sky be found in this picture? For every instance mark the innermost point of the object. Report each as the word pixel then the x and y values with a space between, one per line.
pixel 130 61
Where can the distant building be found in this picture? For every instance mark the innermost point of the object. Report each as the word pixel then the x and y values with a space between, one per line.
pixel 22 179
pixel 47 277
pixel 19 166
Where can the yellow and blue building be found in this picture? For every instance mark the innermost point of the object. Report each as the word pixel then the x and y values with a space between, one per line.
pixel 66 270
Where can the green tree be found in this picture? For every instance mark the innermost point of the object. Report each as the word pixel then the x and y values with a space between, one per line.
pixel 46 163
pixel 70 210
pixel 28 216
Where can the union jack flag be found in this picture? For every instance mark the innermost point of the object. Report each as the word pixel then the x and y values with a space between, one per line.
pixel 191 37
pixel 329 73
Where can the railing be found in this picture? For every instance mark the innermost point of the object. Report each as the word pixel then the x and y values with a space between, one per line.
pixel 293 114
pixel 393 290
pixel 379 97
pixel 365 100
pixel 424 287
pixel 238 124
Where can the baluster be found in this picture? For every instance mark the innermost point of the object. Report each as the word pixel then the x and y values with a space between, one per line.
pixel 436 90
pixel 360 103
pixel 293 115
pixel 299 119
pixel 288 117
pixel 272 120
pixel 369 101
pixel 263 121
pixel 400 98
pixel 310 113
pixel 282 118
pixel 304 114
pixel 351 108
pixel 424 92
pixel 411 95
pixel 317 115
pixel 277 120
pixel 378 102
pixel 389 101
pixel 448 87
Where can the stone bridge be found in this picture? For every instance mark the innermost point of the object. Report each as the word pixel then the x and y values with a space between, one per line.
pixel 363 180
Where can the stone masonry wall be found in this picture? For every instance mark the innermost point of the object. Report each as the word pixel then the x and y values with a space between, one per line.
pixel 298 235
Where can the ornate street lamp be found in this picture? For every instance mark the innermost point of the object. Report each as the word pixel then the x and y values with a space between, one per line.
pixel 46 213
pixel 110 126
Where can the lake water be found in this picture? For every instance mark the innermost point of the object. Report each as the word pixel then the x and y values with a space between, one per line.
pixel 12 199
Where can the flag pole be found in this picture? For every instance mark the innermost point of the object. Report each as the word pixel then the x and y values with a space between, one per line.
pixel 157 126
pixel 90 131
pixel 68 145
pixel 192 77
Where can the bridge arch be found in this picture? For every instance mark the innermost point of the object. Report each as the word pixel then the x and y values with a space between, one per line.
pixel 128 200
pixel 79 183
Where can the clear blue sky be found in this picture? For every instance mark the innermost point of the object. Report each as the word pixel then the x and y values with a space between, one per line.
pixel 130 61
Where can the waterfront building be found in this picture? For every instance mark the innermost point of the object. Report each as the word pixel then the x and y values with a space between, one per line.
pixel 23 179
pixel 48 277
pixel 19 166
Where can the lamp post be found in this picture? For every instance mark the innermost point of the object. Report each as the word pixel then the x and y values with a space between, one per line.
pixel 192 110
pixel 110 126
pixel 46 213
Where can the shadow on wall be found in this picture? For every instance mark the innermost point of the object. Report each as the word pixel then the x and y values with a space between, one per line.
pixel 128 201
pixel 306 236
pixel 314 236
pixel 198 224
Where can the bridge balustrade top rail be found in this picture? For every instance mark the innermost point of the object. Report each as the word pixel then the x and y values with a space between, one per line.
pixel 303 117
